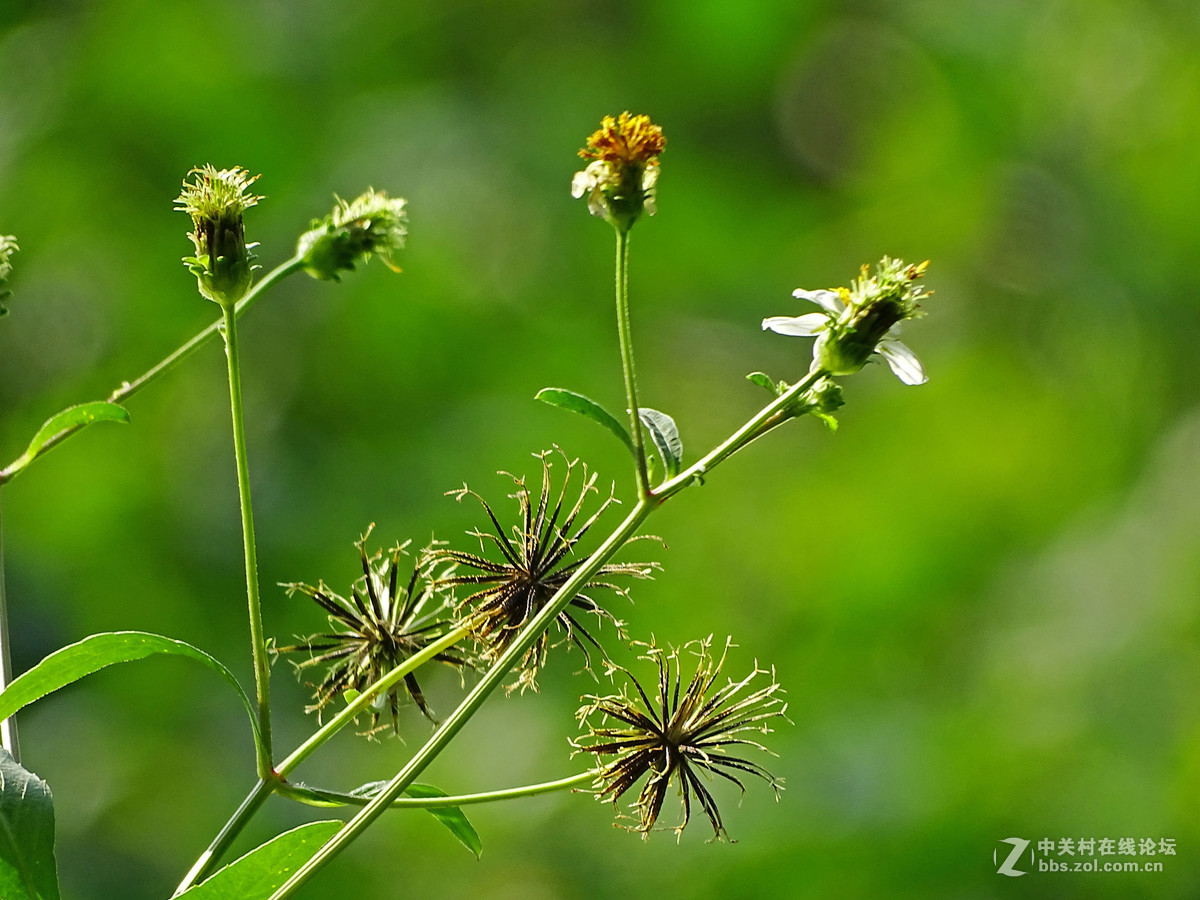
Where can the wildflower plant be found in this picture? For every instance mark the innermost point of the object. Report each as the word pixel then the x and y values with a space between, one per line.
pixel 499 610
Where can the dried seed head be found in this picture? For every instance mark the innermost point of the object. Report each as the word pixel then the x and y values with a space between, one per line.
pixel 678 734
pixel 535 560
pixel 385 621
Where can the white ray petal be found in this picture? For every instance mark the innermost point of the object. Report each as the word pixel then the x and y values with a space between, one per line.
pixel 827 300
pixel 806 325
pixel 903 362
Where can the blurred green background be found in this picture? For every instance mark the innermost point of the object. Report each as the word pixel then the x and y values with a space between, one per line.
pixel 981 593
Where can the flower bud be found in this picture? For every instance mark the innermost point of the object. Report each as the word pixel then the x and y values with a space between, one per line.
pixel 822 400
pixel 372 223
pixel 8 246
pixel 620 180
pixel 215 199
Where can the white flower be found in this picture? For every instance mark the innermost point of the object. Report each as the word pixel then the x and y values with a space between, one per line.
pixel 835 330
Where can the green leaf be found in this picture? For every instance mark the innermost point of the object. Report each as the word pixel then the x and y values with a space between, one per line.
pixel 762 379
pixel 27 870
pixel 72 417
pixel 450 816
pixel 587 408
pixel 265 869
pixel 666 438
pixel 99 651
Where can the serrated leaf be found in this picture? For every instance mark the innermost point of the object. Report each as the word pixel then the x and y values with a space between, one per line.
pixel 666 438
pixel 762 379
pixel 265 869
pixel 71 417
pixel 100 651
pixel 27 869
pixel 586 407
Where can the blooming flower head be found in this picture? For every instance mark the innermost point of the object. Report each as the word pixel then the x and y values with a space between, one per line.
pixel 682 737
pixel 216 199
pixel 533 566
pixel 384 622
pixel 372 223
pixel 862 321
pixel 8 246
pixel 619 181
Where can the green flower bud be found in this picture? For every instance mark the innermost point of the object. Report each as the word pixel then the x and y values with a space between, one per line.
pixel 822 400
pixel 215 199
pixel 8 246
pixel 372 223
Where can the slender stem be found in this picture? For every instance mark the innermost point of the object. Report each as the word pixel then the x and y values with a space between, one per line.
pixel 128 388
pixel 753 429
pixel 258 642
pixel 8 728
pixel 529 790
pixel 625 333
pixel 210 857
pixel 490 681
pixel 259 793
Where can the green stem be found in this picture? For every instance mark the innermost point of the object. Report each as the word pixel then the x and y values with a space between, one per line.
pixel 530 790
pixel 210 857
pixel 263 789
pixel 753 429
pixel 258 641
pixel 367 697
pixel 8 728
pixel 625 334
pixel 490 681
pixel 128 388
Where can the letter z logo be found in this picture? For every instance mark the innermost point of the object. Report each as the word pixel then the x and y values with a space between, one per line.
pixel 1006 867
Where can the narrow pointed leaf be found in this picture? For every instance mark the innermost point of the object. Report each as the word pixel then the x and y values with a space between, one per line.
pixel 666 438
pixel 71 417
pixel 265 869
pixel 99 651
pixel 587 408
pixel 27 869
pixel 450 816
